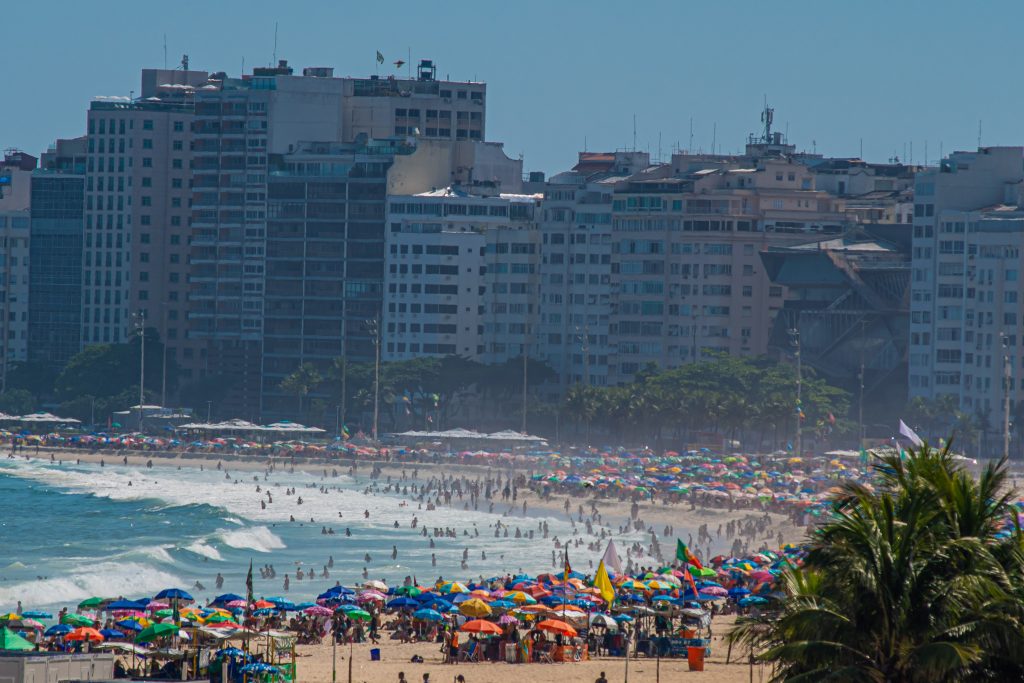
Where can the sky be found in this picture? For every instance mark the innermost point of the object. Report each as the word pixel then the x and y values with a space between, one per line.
pixel 886 77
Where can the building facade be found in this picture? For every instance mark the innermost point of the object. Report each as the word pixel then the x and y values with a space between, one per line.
pixel 55 254
pixel 15 235
pixel 952 222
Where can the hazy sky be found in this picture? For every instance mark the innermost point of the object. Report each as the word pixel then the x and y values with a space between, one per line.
pixel 561 74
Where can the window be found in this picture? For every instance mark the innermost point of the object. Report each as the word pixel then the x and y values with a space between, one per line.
pixel 147 143
pixel 147 162
pixel 179 126
pixel 176 145
pixel 147 124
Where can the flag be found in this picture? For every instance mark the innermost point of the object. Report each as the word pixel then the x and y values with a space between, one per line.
pixel 688 577
pixel 568 567
pixel 611 558
pixel 684 555
pixel 604 584
pixel 910 434
pixel 380 57
pixel 248 591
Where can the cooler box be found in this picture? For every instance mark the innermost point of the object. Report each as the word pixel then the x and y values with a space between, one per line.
pixel 375 654
pixel 695 658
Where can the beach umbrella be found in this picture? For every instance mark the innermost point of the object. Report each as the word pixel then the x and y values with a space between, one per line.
pixel 622 617
pixel 603 620
pixel 454 587
pixel 360 614
pixel 37 614
pixel 109 633
pixel 9 640
pixel 409 591
pixel 481 627
pixel 502 604
pixel 475 608
pixel 89 603
pixel 557 626
pixel 507 619
pixel 85 633
pixel 156 631
pixel 59 630
pixel 174 594
pixel 374 584
pixel 229 597
pixel 263 604
pixel 131 605
pixel 76 620
pixel 230 652
pixel 130 625
pixel 427 615
pixel 317 611
pixel 259 668
pixel 403 602
pixel 738 592
pixel 753 600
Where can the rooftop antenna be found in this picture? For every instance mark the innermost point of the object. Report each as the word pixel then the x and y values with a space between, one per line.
pixel 767 116
pixel 659 146
pixel 184 62
pixel 275 45
pixel 689 150
pixel 634 132
pixel 979 133
pixel 714 136
pixel 814 146
pixel 165 51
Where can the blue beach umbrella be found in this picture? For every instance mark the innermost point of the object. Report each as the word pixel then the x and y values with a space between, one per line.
pixel 59 630
pixel 427 615
pixel 173 594
pixel 109 633
pixel 37 614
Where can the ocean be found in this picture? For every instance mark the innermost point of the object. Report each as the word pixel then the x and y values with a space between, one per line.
pixel 69 532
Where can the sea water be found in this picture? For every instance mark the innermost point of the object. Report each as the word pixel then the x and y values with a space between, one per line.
pixel 72 531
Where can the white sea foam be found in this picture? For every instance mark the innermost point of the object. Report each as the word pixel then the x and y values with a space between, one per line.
pixel 260 538
pixel 201 548
pixel 102 578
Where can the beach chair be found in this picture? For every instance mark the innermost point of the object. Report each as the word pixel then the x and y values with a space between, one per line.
pixel 468 654
pixel 544 656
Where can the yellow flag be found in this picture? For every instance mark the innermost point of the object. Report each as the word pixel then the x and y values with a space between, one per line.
pixel 604 584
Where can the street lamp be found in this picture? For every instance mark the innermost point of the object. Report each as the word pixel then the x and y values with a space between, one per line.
pixel 139 323
pixel 794 334
pixel 374 328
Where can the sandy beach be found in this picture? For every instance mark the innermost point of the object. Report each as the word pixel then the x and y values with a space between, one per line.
pixel 314 664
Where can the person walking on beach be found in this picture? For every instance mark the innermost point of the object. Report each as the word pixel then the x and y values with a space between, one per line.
pixel 601 679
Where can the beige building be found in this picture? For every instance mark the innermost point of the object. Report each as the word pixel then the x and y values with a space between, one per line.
pixel 15 220
pixel 686 238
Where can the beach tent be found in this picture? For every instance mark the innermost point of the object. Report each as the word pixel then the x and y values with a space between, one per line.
pixel 36 418
pixel 287 427
pixel 9 640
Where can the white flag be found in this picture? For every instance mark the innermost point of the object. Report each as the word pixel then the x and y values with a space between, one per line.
pixel 611 558
pixel 910 434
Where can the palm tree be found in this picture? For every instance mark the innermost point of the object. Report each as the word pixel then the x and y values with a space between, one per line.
pixel 911 581
pixel 302 381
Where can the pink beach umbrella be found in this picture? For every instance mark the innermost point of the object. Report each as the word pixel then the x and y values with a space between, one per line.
pixel 318 611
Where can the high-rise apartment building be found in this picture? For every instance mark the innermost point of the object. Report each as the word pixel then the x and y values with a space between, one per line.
pixel 462 275
pixel 324 260
pixel 576 231
pixel 966 308
pixel 964 247
pixel 55 254
pixel 136 210
pixel 15 220
pixel 241 124
pixel 686 238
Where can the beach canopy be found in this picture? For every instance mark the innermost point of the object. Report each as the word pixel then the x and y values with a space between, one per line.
pixel 9 640
pixel 46 417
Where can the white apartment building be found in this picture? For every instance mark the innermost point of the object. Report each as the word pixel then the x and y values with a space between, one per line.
pixel 460 275
pixel 951 222
pixel 576 231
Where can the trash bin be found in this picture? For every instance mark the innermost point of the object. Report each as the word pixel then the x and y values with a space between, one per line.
pixel 375 654
pixel 695 658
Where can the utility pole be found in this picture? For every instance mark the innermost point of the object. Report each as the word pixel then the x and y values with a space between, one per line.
pixel 860 395
pixel 795 334
pixel 1006 396
pixel 374 327
pixel 140 326
pixel 526 371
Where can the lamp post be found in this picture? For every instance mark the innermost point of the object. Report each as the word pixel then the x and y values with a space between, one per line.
pixel 795 335
pixel 374 327
pixel 139 321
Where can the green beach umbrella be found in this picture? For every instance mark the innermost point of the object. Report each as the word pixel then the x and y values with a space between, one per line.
pixel 9 640
pixel 76 620
pixel 156 631
pixel 89 603
pixel 163 613
pixel 358 614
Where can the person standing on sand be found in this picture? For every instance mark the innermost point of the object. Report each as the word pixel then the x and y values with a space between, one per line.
pixel 601 679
